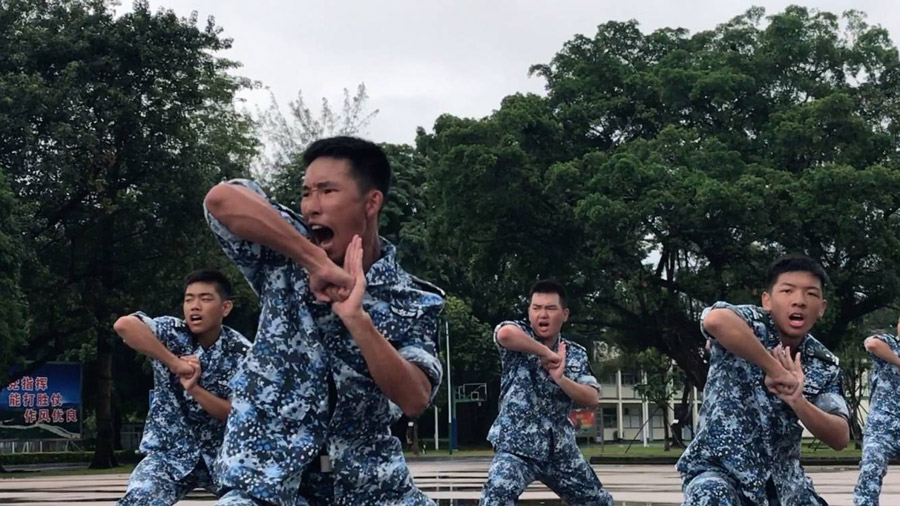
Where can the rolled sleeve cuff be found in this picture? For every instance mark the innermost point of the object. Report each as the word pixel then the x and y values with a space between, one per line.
pixel 589 381
pixel 504 324
pixel 738 310
pixel 428 363
pixel 220 229
pixel 832 404
pixel 889 340
pixel 146 320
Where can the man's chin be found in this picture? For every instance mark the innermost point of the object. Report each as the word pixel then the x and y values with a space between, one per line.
pixel 543 335
pixel 795 333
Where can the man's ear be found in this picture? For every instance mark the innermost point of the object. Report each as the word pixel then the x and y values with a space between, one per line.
pixel 374 203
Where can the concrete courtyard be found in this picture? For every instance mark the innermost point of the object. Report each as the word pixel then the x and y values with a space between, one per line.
pixel 450 482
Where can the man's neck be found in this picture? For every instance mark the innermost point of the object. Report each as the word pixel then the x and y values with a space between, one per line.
pixel 793 343
pixel 209 338
pixel 549 342
pixel 371 251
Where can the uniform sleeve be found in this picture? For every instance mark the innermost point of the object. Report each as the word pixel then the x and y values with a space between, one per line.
pixel 252 259
pixel 521 326
pixel 750 314
pixel 163 327
pixel 580 371
pixel 416 338
pixel 888 339
pixel 831 399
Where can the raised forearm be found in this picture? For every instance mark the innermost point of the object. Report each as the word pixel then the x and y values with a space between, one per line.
pixel 140 338
pixel 732 332
pixel 831 429
pixel 882 350
pixel 251 217
pixel 515 339
pixel 583 395
pixel 402 382
pixel 215 406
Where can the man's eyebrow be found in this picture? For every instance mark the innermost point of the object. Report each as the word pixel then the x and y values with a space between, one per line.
pixel 321 184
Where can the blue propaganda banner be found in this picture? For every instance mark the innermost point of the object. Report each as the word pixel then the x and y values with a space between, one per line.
pixel 44 404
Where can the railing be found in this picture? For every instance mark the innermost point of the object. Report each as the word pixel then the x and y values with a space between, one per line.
pixel 39 446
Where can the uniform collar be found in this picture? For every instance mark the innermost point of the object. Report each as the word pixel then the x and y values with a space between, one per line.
pixel 385 270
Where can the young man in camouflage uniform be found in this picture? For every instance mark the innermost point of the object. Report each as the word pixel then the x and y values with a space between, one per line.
pixel 881 442
pixel 543 374
pixel 366 333
pixel 193 361
pixel 766 374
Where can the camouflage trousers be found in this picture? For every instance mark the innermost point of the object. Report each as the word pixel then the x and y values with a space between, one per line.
pixel 316 489
pixel 715 488
pixel 566 473
pixel 279 406
pixel 152 483
pixel 878 450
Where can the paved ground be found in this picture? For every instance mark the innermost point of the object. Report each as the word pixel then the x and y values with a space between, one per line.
pixel 451 482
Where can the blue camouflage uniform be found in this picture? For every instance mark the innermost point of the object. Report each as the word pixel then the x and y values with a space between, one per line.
pixel 881 442
pixel 533 437
pixel 747 451
pixel 181 440
pixel 281 420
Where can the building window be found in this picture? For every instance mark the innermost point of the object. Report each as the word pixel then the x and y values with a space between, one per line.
pixel 608 416
pixel 631 418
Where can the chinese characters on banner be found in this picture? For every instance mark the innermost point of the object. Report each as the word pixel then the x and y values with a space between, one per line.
pixel 44 404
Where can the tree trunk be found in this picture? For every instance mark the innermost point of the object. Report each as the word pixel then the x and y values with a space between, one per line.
pixel 683 413
pixel 665 410
pixel 681 340
pixel 104 455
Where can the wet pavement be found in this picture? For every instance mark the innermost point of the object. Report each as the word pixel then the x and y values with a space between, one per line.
pixel 455 482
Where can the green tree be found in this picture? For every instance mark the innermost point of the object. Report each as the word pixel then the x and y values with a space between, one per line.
pixel 474 356
pixel 499 217
pixel 14 324
pixel 114 128
pixel 663 171
pixel 658 386
pixel 855 364
pixel 285 137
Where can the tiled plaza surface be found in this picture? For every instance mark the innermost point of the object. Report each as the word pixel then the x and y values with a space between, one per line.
pixel 450 482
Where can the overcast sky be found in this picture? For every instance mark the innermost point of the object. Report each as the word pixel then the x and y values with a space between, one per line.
pixel 422 58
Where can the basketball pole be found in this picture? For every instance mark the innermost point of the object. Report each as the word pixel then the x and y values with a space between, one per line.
pixel 450 424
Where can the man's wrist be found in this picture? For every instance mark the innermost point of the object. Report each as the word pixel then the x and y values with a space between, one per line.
pixel 356 320
pixel 771 367
pixel 313 260
pixel 798 402
pixel 172 363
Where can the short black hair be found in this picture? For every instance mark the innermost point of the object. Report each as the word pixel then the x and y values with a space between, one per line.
pixel 223 286
pixel 795 263
pixel 550 286
pixel 370 164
